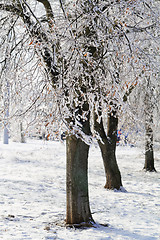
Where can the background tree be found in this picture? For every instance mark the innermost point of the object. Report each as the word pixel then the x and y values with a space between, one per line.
pixel 144 112
pixel 148 111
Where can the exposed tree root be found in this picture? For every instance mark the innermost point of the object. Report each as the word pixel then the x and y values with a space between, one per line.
pixel 149 170
pixel 82 225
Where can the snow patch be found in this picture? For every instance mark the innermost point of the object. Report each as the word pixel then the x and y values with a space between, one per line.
pixel 33 198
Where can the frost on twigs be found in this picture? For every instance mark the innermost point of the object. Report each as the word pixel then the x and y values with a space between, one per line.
pixel 86 56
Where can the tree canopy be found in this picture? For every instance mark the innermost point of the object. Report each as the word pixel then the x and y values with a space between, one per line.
pixel 78 52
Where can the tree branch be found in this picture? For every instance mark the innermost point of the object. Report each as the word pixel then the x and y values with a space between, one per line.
pixel 11 8
pixel 49 12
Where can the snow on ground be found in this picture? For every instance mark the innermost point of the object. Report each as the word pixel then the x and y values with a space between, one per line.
pixel 32 195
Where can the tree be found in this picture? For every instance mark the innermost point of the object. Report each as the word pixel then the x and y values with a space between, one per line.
pixel 46 51
pixel 148 110
pixel 88 51
pixel 107 144
pixel 143 116
pixel 78 209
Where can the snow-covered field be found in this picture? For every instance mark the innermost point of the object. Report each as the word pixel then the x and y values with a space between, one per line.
pixel 32 195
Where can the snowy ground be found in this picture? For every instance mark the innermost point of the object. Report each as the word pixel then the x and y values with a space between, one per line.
pixel 32 195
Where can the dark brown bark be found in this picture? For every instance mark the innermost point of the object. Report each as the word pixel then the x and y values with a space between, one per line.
pixel 78 209
pixel 108 151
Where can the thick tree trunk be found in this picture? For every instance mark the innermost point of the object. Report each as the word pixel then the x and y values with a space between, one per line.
pixel 78 209
pixel 108 151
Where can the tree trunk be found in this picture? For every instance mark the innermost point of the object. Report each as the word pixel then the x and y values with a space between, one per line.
pixel 149 154
pixel 78 209
pixel 22 133
pixel 108 151
pixel 6 135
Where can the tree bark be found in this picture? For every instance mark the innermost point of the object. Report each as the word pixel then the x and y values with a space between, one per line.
pixel 108 151
pixel 78 209
pixel 149 153
pixel 22 133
